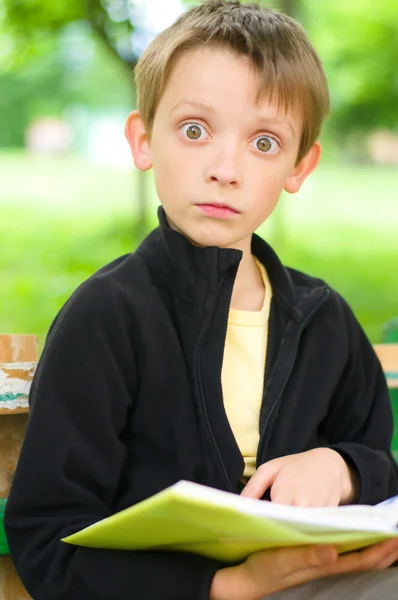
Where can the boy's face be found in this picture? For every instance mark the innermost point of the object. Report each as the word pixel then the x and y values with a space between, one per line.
pixel 220 161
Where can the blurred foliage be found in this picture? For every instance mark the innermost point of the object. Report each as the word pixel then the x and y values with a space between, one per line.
pixel 357 41
pixel 54 79
pixel 53 54
pixel 358 45
pixel 28 22
pixel 63 218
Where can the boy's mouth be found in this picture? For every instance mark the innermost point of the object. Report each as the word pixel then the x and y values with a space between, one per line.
pixel 218 211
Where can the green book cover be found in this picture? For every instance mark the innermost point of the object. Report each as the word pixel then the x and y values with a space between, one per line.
pixel 194 518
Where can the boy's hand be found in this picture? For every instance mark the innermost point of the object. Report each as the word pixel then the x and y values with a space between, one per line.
pixel 318 477
pixel 270 571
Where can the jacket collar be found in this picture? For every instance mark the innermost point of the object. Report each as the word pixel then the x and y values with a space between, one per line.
pixel 188 269
pixel 183 266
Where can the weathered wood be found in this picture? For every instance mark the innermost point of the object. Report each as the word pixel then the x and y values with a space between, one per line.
pixel 18 354
pixel 388 356
pixel 18 348
pixel 15 380
pixel 11 587
pixel 12 431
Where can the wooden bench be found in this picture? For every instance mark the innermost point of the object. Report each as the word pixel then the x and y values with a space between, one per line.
pixel 388 356
pixel 18 359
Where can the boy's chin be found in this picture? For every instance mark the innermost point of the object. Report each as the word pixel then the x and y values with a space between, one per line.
pixel 204 240
pixel 205 235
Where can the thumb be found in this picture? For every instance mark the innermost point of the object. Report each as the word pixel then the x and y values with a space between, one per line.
pixel 262 479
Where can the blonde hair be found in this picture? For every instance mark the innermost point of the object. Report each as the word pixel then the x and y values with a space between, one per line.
pixel 289 69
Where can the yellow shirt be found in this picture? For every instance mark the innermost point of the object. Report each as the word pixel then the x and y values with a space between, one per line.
pixel 242 374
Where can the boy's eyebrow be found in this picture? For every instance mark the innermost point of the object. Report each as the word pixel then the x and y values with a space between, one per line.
pixel 210 109
pixel 193 104
pixel 275 121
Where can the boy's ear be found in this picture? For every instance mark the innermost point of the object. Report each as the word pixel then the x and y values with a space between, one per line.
pixel 138 139
pixel 303 169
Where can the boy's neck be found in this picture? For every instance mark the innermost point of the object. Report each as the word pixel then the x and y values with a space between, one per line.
pixel 248 292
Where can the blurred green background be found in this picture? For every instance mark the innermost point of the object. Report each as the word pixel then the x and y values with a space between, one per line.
pixel 71 200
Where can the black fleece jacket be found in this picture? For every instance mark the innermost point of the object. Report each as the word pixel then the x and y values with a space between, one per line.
pixel 127 400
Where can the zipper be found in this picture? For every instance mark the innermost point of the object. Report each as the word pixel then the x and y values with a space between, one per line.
pixel 202 395
pixel 275 404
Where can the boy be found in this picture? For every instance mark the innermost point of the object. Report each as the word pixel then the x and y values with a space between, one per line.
pixel 153 371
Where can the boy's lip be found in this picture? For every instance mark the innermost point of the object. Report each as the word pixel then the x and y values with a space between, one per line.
pixel 217 211
pixel 216 205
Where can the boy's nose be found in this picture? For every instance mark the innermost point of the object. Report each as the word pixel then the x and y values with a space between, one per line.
pixel 225 169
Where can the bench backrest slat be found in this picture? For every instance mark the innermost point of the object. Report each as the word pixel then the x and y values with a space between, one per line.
pixel 388 356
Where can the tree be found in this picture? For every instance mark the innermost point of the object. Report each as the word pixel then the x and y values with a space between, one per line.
pixel 32 21
pixel 358 46
pixel 33 24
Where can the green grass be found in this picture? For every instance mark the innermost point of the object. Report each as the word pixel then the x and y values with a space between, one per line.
pixel 61 219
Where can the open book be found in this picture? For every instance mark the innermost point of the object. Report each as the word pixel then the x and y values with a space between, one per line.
pixel 195 518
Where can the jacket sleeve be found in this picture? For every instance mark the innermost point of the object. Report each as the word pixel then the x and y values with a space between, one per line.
pixel 72 461
pixel 359 424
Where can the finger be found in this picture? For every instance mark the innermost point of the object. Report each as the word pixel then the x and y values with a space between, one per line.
pixel 363 560
pixel 297 494
pixel 305 563
pixel 339 566
pixel 320 555
pixel 390 554
pixel 284 494
pixel 262 479
pixel 379 556
pixel 317 498
pixel 294 559
pixel 371 557
pixel 387 562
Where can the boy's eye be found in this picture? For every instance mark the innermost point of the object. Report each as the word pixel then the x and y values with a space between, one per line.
pixel 193 131
pixel 266 144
